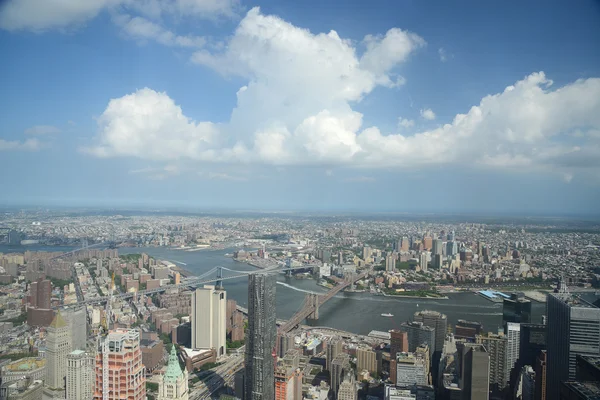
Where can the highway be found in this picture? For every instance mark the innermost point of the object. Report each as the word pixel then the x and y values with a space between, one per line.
pixel 222 375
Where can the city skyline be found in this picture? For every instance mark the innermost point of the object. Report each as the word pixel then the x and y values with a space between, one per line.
pixel 134 105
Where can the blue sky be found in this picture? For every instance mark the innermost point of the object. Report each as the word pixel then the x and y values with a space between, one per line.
pixel 335 105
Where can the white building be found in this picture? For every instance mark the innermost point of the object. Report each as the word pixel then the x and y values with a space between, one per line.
pixel 513 333
pixel 174 383
pixel 209 319
pixel 80 375
pixel 325 270
pixel 410 370
pixel 423 259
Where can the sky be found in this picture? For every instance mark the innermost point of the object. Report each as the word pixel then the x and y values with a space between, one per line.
pixel 400 105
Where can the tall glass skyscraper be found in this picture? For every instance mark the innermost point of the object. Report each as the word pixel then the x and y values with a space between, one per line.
pixel 260 338
pixel 573 328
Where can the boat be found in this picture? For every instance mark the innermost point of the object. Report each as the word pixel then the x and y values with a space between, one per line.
pixel 417 304
pixel 387 315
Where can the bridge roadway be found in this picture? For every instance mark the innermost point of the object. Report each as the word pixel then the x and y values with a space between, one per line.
pixel 188 282
pixel 312 303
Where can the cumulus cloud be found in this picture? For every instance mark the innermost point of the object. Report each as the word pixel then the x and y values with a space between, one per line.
pixel 15 145
pixel 296 108
pixel 442 54
pixel 148 124
pixel 42 15
pixel 428 114
pixel 42 130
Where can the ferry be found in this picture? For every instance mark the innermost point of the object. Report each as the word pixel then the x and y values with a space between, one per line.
pixel 387 315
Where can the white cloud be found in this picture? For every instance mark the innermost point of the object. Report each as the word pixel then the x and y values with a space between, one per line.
pixel 406 123
pixel 222 176
pixel 428 114
pixel 141 28
pixel 442 54
pixel 14 145
pixel 42 15
pixel 148 124
pixel 42 130
pixel 296 109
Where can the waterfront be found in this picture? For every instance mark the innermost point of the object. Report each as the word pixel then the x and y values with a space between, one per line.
pixel 354 312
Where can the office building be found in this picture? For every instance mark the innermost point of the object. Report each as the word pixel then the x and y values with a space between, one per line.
pixel 174 383
pixel 475 372
pixel 260 338
pixel 587 368
pixel 398 342
pixel 467 329
pixel 339 366
pixel 410 370
pixel 347 389
pixel 40 293
pixel 80 375
pixel 437 321
pixel 39 311
pixel 76 318
pixel 209 319
pixel 285 342
pixel 496 346
pixel 58 346
pixel 418 334
pixel 540 376
pixel 437 247
pixel 527 383
pixel 512 331
pixel 405 244
pixel 516 309
pixel 577 390
pixel 334 347
pixel 533 341
pixel 366 360
pixel 119 372
pixel 574 328
pixel 394 393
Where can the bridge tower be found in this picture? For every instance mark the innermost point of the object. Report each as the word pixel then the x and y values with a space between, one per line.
pixel 312 301
pixel 219 283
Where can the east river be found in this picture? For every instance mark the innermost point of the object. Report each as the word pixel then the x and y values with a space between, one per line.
pixel 353 312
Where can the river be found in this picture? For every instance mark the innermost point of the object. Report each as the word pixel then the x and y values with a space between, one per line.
pixel 354 312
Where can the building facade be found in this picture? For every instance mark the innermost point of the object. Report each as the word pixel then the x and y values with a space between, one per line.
pixel 419 333
pixel 58 346
pixel 174 383
pixel 437 321
pixel 119 372
pixel 476 373
pixel 496 346
pixel 260 338
pixel 80 375
pixel 209 319
pixel 574 328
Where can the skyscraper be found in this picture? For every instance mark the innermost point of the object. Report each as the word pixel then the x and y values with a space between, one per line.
pixel 174 383
pixel 260 338
pixel 334 347
pixel 437 247
pixel 80 375
pixel 40 293
pixel 533 341
pixel 58 346
pixel 339 366
pixel 437 321
pixel 496 347
pixel 398 342
pixel 366 359
pixel 418 333
pixel 516 309
pixel 475 372
pixel 209 319
pixel 410 370
pixel 76 318
pixel 512 331
pixel 119 370
pixel 540 376
pixel 573 328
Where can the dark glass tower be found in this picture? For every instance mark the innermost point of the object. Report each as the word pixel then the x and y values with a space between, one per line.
pixel 516 309
pixel 260 338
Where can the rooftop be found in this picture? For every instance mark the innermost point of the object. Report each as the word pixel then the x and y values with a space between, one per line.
pixel 25 364
pixel 586 390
